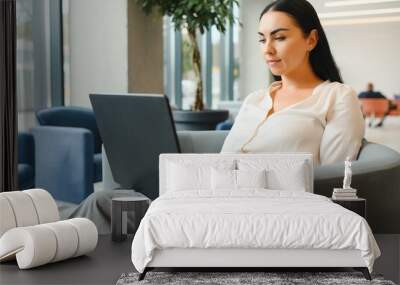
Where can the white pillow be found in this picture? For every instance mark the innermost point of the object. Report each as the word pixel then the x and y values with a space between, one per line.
pixel 225 179
pixel 281 175
pixel 251 178
pixel 183 177
pixel 293 180
pixel 191 176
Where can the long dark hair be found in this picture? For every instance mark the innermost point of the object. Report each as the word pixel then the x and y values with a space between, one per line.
pixel 304 14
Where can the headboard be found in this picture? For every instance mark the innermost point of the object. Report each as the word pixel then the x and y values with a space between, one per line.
pixel 280 163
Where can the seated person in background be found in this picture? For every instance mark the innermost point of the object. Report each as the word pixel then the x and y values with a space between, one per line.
pixel 308 109
pixel 371 94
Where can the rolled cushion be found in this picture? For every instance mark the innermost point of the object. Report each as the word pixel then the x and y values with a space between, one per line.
pixel 23 209
pixel 32 246
pixel 67 239
pixel 26 208
pixel 40 244
pixel 7 218
pixel 46 207
pixel 87 234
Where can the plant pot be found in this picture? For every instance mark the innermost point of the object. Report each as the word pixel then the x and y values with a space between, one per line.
pixel 198 120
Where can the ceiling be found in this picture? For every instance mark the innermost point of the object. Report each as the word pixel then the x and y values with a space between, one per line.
pixel 350 12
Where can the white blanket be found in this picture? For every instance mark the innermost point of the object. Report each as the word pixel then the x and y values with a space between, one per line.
pixel 250 219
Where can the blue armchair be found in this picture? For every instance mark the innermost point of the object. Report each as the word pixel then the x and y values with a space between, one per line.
pixel 224 126
pixel 68 152
pixel 26 161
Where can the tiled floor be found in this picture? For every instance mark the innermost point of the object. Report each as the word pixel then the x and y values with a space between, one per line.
pixel 388 134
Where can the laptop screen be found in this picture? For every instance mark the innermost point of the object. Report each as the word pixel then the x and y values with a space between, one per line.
pixel 135 129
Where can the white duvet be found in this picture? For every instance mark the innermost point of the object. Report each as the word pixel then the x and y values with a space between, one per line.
pixel 250 219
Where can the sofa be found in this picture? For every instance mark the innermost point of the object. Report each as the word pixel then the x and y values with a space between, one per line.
pixel 376 176
pixel 68 152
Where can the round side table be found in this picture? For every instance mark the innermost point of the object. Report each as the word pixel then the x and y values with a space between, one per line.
pixel 119 221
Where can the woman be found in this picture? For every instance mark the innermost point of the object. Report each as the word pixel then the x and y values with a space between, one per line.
pixel 308 109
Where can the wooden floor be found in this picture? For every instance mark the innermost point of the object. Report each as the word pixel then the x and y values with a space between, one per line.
pixel 110 259
pixel 388 134
pixel 103 266
pixel 389 262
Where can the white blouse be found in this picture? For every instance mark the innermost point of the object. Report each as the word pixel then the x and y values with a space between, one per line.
pixel 329 124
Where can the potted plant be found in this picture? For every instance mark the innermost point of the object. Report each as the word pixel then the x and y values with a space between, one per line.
pixel 195 15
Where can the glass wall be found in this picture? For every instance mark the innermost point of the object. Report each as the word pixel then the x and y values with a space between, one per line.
pixel 189 82
pixel 216 66
pixel 236 67
pixel 39 58
pixel 222 51
pixel 33 60
pixel 66 53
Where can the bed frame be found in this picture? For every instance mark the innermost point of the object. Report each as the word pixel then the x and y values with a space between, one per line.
pixel 242 258
pixel 256 258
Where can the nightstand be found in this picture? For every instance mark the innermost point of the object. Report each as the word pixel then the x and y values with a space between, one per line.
pixel 358 205
pixel 119 217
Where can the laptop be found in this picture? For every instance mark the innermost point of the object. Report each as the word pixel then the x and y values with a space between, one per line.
pixel 135 129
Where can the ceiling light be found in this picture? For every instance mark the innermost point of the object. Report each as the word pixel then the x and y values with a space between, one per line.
pixel 359 21
pixel 358 13
pixel 356 2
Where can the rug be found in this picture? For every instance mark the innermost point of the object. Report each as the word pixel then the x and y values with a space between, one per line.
pixel 243 278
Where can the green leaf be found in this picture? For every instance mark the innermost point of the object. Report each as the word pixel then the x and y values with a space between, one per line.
pixel 197 14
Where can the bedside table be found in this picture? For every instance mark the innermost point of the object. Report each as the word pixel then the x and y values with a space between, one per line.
pixel 358 205
pixel 119 217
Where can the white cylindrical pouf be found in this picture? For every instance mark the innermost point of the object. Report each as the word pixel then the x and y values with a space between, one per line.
pixel 87 233
pixel 33 246
pixel 40 244
pixel 7 218
pixel 23 208
pixel 45 205
pixel 67 239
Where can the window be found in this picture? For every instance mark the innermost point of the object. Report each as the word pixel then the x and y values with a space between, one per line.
pixel 235 56
pixel 33 60
pixel 220 66
pixel 216 66
pixel 37 58
pixel 189 82
pixel 66 52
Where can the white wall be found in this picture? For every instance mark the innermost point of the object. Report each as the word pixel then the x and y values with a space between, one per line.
pixel 366 48
pixel 98 48
pixel 368 52
pixel 363 52
pixel 254 72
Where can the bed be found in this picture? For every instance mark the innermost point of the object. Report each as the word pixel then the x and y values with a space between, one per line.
pixel 247 210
